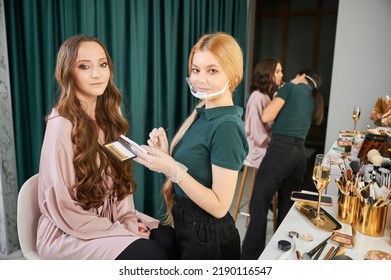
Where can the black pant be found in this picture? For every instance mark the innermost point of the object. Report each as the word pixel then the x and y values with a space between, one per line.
pixel 282 170
pixel 202 236
pixel 161 245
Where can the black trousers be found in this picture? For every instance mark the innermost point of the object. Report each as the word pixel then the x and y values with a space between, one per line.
pixel 202 236
pixel 282 170
pixel 161 245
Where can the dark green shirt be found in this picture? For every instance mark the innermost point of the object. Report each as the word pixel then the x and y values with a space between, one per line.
pixel 216 137
pixel 295 117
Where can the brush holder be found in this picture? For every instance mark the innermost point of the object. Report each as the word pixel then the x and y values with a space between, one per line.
pixel 347 208
pixel 371 220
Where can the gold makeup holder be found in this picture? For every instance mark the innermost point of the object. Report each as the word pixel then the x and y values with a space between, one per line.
pixel 371 220
pixel 308 210
pixel 347 208
pixel 368 219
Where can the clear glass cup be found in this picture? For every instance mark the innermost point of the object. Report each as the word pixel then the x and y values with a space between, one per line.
pixel 321 178
pixel 356 115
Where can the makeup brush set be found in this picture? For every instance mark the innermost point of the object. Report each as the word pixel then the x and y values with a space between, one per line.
pixel 334 252
pixel 365 192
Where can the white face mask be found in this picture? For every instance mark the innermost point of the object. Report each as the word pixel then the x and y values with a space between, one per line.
pixel 205 95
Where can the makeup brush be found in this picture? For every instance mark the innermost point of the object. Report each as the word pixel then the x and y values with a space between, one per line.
pixel 355 165
pixel 308 255
pixel 365 195
pixel 335 252
pixel 320 251
pixel 294 235
pixel 329 253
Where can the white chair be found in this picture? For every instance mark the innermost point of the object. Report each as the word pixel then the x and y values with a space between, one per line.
pixel 28 214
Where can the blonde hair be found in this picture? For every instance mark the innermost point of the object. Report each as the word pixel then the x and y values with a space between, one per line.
pixel 230 57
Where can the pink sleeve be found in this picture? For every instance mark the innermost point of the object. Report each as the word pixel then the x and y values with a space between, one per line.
pixel 128 216
pixel 256 130
pixel 57 199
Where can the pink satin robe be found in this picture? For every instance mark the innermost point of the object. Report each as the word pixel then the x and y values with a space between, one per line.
pixel 65 230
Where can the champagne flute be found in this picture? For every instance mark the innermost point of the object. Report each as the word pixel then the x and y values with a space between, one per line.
pixel 321 177
pixel 356 115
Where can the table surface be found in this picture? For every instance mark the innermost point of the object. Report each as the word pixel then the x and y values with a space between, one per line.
pixel 295 221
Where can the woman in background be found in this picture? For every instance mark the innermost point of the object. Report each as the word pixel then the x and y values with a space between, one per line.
pixel 267 78
pixel 294 108
pixel 85 195
pixel 206 154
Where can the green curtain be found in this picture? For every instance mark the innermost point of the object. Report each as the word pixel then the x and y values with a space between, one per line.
pixel 149 41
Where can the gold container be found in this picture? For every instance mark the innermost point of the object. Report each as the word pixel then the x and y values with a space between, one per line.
pixel 347 208
pixel 371 220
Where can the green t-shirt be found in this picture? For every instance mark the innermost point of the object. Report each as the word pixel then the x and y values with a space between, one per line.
pixel 216 137
pixel 296 115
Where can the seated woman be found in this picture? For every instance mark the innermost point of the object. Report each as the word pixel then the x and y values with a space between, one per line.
pixel 85 195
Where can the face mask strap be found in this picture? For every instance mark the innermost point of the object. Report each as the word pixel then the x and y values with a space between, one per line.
pixel 205 95
pixel 312 80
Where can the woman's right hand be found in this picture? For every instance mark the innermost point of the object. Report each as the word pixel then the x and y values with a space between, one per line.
pixel 158 139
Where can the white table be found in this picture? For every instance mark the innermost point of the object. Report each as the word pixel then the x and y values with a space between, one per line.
pixel 295 221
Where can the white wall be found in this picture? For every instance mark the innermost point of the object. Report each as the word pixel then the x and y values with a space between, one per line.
pixel 362 63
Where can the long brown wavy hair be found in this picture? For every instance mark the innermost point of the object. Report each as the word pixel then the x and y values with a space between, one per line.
pixel 91 160
pixel 229 55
